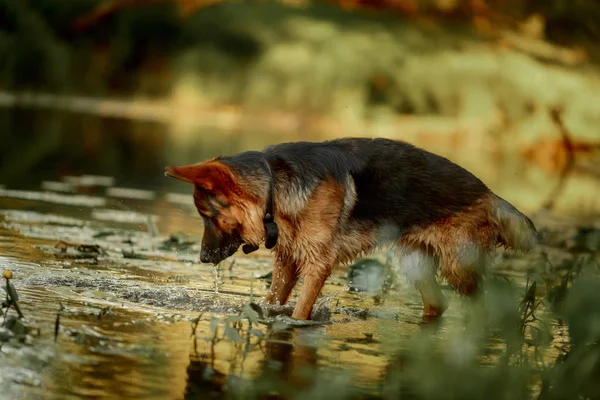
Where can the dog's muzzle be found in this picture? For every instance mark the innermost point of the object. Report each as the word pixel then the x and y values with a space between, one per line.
pixel 215 256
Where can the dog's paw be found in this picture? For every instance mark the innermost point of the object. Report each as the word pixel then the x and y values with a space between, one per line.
pixel 273 310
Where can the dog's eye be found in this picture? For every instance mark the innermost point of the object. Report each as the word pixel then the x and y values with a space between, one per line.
pixel 207 209
pixel 220 203
pixel 204 213
pixel 209 213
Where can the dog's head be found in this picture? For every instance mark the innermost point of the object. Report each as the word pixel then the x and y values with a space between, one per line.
pixel 230 204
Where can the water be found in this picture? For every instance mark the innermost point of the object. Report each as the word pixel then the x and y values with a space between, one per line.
pixel 137 320
pixel 126 322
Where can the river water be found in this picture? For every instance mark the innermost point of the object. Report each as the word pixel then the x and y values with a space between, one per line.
pixel 136 316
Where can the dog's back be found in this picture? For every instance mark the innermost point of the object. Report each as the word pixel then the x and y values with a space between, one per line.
pixel 400 184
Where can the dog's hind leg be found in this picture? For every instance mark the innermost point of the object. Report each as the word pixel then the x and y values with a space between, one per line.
pixel 420 269
pixel 463 267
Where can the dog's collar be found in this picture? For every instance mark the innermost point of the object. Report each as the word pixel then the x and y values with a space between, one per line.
pixel 271 230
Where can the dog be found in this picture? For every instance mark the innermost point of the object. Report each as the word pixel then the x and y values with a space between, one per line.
pixel 321 204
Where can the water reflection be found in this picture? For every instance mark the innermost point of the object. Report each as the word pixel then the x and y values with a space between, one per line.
pixel 126 318
pixel 52 144
pixel 125 324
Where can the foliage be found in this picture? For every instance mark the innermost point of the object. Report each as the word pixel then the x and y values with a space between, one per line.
pixel 45 46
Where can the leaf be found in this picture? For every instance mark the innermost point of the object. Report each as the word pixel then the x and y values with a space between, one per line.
pixel 256 332
pixel 294 322
pixel 232 334
pixel 279 327
pixel 214 324
pixel 12 292
pixel 249 312
pixel 530 296
pixel 234 318
pixel 257 309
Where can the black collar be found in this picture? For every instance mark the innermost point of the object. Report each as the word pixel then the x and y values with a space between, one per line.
pixel 271 230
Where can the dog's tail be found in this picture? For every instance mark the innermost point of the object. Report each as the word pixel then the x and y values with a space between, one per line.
pixel 515 230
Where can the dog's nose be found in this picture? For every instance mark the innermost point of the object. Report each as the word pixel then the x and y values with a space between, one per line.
pixel 204 257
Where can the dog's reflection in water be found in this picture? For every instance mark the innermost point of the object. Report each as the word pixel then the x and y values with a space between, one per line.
pixel 289 358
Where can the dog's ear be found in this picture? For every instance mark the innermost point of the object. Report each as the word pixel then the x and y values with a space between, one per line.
pixel 212 176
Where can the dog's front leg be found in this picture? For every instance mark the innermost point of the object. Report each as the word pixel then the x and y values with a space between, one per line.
pixel 311 288
pixel 285 277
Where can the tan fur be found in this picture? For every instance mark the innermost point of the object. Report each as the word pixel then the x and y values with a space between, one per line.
pixel 250 217
pixel 470 228
pixel 353 241
pixel 305 246
pixel 514 229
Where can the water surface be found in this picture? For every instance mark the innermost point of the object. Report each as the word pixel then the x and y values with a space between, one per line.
pixel 137 320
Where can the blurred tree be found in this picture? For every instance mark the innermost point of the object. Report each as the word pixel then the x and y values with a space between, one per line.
pixel 30 54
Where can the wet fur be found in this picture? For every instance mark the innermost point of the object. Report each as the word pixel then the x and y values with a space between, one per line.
pixel 335 201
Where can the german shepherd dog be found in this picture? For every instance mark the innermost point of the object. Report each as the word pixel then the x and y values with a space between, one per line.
pixel 318 205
